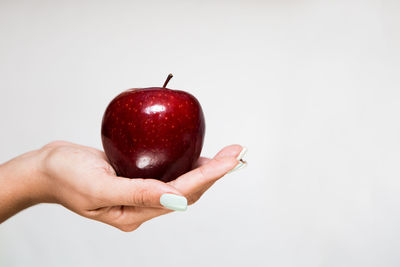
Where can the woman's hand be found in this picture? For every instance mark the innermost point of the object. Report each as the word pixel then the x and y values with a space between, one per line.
pixel 81 179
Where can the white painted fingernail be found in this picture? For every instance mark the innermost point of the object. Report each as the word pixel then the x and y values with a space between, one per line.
pixel 242 153
pixel 174 202
pixel 240 165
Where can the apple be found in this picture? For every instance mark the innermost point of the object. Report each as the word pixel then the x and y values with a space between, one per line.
pixel 153 132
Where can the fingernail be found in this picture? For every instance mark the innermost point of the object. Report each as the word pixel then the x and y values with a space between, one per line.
pixel 241 163
pixel 239 166
pixel 242 153
pixel 174 202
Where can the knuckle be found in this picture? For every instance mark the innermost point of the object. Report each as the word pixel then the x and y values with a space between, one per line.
pixel 141 194
pixel 208 170
pixel 139 198
pixel 192 198
pixel 224 161
pixel 109 169
pixel 203 171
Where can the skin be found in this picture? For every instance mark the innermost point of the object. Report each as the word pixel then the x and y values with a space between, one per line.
pixel 81 179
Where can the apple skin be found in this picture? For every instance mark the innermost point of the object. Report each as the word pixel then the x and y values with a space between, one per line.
pixel 153 133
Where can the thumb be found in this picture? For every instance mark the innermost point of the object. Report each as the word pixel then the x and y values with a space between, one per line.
pixel 120 191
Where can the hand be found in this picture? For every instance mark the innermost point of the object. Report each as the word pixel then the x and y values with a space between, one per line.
pixel 81 179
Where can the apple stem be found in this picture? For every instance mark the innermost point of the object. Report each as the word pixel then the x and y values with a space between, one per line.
pixel 167 80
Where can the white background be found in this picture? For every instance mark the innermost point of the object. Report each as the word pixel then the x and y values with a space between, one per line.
pixel 310 87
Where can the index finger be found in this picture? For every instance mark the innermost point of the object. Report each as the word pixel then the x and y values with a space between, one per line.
pixel 196 181
pixel 209 172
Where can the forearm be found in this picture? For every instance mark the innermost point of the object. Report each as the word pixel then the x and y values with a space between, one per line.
pixel 20 184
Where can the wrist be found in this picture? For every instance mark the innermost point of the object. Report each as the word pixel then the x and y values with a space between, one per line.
pixel 21 184
pixel 24 179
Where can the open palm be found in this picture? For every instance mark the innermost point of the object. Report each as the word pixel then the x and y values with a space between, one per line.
pixel 81 179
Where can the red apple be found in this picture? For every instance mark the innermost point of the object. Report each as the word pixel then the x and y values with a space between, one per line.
pixel 153 132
